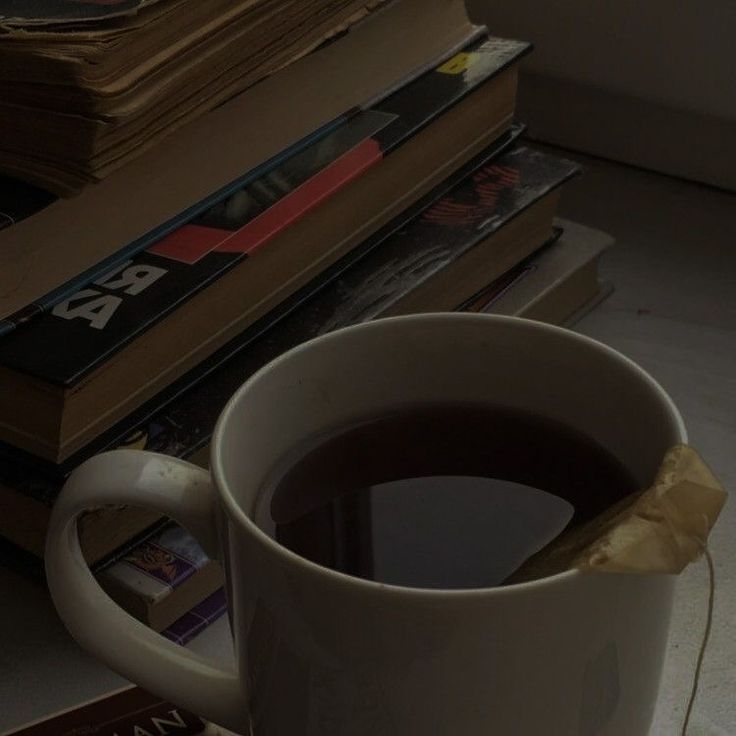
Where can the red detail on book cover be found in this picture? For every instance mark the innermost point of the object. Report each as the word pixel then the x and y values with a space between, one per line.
pixel 189 243
pixel 304 198
pixel 489 182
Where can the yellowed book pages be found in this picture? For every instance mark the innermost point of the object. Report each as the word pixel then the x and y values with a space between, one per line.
pixel 71 236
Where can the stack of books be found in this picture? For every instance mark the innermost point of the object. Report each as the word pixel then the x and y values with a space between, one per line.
pixel 380 173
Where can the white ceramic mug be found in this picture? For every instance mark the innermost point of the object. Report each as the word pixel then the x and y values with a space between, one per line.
pixel 320 653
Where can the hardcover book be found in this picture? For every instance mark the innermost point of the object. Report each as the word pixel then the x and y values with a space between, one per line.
pixel 558 284
pixel 188 293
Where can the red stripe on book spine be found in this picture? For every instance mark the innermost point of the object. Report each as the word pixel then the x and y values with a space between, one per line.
pixel 189 243
pixel 304 198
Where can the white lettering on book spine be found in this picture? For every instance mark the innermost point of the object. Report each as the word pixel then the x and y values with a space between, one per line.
pixel 135 278
pixel 164 724
pixel 98 307
pixel 158 726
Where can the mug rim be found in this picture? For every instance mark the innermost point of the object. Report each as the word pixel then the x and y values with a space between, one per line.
pixel 237 514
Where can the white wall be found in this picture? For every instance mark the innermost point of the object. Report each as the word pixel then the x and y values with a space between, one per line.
pixel 673 54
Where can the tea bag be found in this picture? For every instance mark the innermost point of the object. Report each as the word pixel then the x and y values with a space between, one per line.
pixel 659 530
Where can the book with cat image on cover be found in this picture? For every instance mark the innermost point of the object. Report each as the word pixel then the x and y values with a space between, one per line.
pixel 116 342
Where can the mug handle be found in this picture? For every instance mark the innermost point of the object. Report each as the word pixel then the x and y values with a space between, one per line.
pixel 177 489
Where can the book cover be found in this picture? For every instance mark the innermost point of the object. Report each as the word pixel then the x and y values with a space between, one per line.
pixel 162 577
pixel 129 711
pixel 86 328
pixel 184 629
pixel 41 480
pixel 160 564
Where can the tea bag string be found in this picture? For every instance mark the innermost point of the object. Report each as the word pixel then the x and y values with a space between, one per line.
pixel 706 637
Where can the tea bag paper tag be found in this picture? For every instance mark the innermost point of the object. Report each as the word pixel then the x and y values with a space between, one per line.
pixel 660 530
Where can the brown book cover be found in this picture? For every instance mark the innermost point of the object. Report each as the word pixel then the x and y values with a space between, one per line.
pixel 127 712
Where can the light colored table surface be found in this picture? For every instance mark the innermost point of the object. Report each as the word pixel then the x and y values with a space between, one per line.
pixel 674 311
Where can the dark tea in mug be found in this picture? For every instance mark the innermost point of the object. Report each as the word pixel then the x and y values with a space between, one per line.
pixel 438 496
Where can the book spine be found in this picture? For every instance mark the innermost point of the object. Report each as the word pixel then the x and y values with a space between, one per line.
pixel 198 619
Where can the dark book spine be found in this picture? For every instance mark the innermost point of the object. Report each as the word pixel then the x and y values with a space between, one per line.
pixel 126 713
pixel 198 619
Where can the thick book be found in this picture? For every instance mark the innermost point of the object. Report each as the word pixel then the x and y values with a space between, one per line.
pixel 129 711
pixel 434 257
pixel 559 284
pixel 115 343
pixel 75 236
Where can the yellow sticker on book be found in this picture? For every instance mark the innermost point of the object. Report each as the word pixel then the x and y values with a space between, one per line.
pixel 458 63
